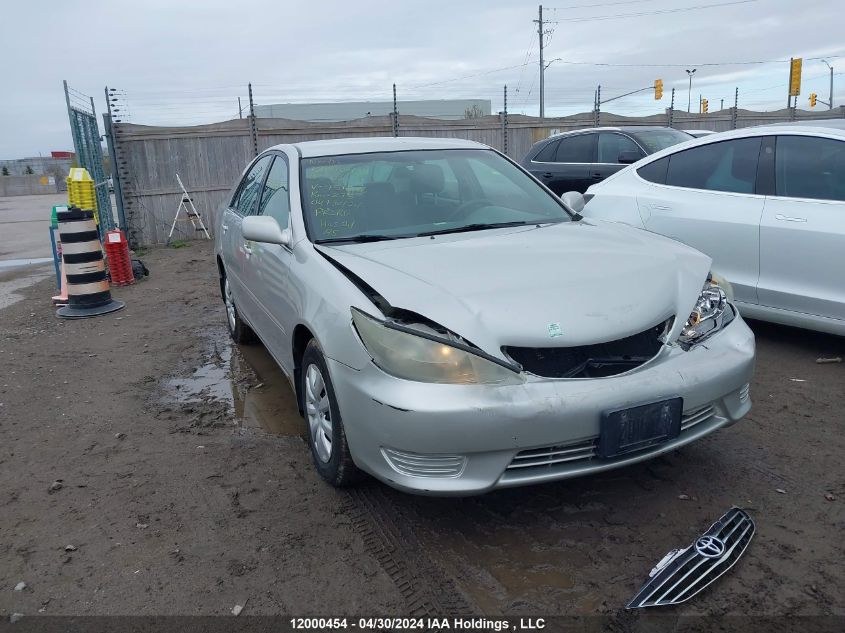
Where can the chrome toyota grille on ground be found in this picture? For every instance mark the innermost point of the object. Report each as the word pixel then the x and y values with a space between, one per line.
pixel 417 465
pixel 683 573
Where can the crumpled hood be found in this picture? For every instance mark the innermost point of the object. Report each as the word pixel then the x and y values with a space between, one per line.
pixel 573 283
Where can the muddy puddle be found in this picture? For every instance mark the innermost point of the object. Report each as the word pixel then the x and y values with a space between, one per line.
pixel 245 384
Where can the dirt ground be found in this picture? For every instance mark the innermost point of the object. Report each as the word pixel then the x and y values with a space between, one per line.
pixel 147 466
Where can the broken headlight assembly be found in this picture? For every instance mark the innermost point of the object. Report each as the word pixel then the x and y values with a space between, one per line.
pixel 712 312
pixel 423 355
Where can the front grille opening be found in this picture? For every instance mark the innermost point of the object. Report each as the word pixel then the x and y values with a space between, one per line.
pixel 599 360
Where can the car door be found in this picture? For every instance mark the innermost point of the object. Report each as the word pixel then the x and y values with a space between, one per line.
pixel 238 249
pixel 611 146
pixel 706 197
pixel 569 168
pixel 268 268
pixel 802 233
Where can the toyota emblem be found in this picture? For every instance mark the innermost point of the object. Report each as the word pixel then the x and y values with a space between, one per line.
pixel 710 546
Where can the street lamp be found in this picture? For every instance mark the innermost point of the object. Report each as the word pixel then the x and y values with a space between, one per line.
pixel 689 94
pixel 830 99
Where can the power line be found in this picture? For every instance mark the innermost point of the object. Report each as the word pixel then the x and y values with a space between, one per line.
pixel 688 64
pixel 480 74
pixel 590 6
pixel 655 12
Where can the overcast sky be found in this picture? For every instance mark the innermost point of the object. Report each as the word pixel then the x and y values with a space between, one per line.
pixel 187 62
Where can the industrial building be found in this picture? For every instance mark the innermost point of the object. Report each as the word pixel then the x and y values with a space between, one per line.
pixel 350 110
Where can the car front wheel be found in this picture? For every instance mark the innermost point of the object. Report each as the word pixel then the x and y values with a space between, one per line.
pixel 326 435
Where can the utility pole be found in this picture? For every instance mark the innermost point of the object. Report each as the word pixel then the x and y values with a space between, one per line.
pixel 689 94
pixel 240 109
pixel 539 22
pixel 721 104
pixel 830 99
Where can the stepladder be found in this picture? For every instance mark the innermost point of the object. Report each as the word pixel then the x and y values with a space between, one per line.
pixel 192 215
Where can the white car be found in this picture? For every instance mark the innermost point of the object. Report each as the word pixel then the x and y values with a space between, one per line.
pixel 766 203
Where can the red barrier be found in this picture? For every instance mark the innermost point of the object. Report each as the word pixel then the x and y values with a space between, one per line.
pixel 120 264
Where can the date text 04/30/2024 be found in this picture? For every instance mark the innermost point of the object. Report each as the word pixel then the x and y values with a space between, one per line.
pixel 423 624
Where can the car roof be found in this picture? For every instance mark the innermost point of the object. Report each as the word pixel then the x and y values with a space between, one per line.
pixel 366 145
pixel 625 128
pixel 760 130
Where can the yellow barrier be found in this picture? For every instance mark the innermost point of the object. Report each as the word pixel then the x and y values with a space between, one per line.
pixel 80 191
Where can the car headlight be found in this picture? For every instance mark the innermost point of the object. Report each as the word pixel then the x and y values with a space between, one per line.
pixel 424 357
pixel 711 313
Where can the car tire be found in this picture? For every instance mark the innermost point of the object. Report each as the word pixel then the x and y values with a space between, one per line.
pixel 326 435
pixel 238 330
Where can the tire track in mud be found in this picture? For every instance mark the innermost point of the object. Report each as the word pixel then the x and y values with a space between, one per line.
pixel 390 539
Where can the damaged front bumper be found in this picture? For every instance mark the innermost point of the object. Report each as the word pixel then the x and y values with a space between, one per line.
pixel 469 439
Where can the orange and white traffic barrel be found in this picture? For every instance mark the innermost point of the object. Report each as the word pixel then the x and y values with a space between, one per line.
pixel 88 290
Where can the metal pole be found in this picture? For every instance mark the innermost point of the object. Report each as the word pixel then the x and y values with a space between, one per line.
pixel 115 172
pixel 736 106
pixel 830 103
pixel 699 103
pixel 789 86
pixel 395 113
pixel 721 104
pixel 690 73
pixel 598 105
pixel 240 109
pixel 505 124
pixel 672 108
pixel 542 67
pixel 253 129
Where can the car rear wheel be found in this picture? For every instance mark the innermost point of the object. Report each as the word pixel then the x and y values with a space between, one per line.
pixel 238 330
pixel 326 435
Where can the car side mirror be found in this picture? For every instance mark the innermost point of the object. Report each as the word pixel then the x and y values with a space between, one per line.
pixel 573 200
pixel 263 228
pixel 628 157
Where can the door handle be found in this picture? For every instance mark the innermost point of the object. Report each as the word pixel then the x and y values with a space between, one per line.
pixel 247 249
pixel 224 227
pixel 547 174
pixel 596 175
pixel 786 218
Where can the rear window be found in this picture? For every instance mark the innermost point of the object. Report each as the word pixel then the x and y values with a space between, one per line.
pixel 810 167
pixel 656 140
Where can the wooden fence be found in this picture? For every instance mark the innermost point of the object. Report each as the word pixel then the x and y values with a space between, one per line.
pixel 209 158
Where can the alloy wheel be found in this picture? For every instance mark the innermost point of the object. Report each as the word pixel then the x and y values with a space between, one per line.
pixel 318 410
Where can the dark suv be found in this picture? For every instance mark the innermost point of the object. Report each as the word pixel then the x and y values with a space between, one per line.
pixel 575 160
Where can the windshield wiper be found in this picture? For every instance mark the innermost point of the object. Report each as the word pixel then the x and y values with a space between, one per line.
pixel 359 239
pixel 477 227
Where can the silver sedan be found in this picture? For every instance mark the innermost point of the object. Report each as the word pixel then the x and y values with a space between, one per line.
pixel 450 326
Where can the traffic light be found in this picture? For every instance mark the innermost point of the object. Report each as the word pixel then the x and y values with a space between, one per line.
pixel 704 105
pixel 813 98
pixel 658 89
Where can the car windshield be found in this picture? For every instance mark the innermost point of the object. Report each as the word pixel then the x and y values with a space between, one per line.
pixel 391 195
pixel 656 140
